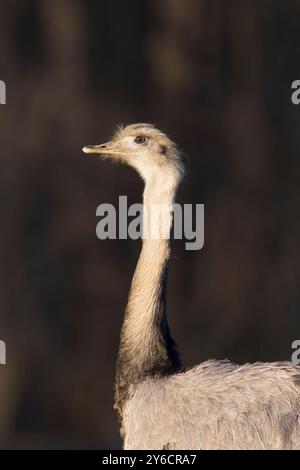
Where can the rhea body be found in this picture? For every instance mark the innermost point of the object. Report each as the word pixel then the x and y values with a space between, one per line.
pixel 161 405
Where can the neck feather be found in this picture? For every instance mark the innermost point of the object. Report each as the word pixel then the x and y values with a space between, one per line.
pixel 146 347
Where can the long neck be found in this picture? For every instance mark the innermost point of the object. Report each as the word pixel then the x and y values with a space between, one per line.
pixel 146 347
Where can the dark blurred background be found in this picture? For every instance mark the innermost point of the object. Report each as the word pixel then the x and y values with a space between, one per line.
pixel 215 75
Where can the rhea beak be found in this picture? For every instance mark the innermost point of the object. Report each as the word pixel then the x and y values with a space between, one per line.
pixel 101 149
pixel 108 150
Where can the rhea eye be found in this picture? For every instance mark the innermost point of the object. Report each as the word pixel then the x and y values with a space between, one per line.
pixel 140 139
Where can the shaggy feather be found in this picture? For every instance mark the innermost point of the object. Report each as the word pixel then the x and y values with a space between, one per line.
pixel 216 405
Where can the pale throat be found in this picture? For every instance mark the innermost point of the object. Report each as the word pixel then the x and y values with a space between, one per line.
pixel 158 199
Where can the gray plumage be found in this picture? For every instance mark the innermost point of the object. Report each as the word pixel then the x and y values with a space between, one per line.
pixel 215 405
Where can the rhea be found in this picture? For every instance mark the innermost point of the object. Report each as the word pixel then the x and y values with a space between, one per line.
pixel 161 405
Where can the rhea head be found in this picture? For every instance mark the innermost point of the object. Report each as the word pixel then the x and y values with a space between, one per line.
pixel 148 150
